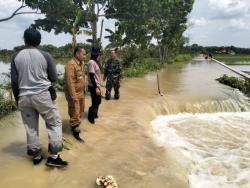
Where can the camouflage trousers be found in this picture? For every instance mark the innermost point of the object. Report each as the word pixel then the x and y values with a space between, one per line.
pixel 112 83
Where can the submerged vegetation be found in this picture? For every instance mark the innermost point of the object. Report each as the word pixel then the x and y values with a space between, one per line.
pixel 141 67
pixel 232 58
pixel 238 83
pixel 7 104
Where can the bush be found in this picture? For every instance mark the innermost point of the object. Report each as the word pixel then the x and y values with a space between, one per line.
pixel 141 67
pixel 6 105
pixel 183 58
pixel 234 82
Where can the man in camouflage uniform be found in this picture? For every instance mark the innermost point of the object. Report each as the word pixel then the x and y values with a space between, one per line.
pixel 113 74
pixel 74 89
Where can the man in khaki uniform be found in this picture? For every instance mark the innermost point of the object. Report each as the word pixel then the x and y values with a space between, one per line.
pixel 74 90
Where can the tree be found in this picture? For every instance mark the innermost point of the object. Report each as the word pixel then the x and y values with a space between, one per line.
pixel 143 20
pixel 20 11
pixel 132 21
pixel 60 16
pixel 70 16
pixel 115 39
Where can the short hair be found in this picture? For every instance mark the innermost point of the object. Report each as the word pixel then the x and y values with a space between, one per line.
pixel 77 49
pixel 116 50
pixel 32 37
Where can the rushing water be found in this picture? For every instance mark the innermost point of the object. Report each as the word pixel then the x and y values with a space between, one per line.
pixel 215 147
pixel 211 138
pixel 195 135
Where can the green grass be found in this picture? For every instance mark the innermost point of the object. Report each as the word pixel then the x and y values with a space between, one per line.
pixel 235 82
pixel 140 67
pixel 232 58
pixel 183 58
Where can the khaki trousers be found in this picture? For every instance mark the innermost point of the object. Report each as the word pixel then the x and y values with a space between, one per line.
pixel 75 109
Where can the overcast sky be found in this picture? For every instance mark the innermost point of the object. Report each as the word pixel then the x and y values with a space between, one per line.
pixel 212 22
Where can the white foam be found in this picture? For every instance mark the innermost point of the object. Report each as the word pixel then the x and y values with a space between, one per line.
pixel 216 146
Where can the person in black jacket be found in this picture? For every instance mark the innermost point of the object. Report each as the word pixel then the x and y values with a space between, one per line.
pixel 94 84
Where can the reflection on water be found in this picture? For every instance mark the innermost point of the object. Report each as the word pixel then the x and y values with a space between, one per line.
pixel 239 65
pixel 122 142
pixel 243 68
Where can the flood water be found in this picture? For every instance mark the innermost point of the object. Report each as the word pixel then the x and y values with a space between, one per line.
pixel 5 71
pixel 196 135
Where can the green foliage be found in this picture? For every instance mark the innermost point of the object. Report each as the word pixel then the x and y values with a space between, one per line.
pixel 129 55
pixel 74 17
pixel 241 84
pixel 140 67
pixel 141 21
pixel 5 55
pixel 183 58
pixel 7 105
pixel 57 52
pixel 232 58
pixel 61 16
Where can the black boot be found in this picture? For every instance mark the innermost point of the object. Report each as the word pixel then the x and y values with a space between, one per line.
pixel 117 96
pixel 91 116
pixel 107 95
pixel 76 133
pixel 95 113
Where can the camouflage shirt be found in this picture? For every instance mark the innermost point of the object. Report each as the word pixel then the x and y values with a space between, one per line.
pixel 113 69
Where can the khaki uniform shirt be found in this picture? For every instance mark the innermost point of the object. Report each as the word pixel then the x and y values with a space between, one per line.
pixel 74 79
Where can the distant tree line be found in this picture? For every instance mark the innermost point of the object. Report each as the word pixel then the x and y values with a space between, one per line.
pixel 137 23
pixel 129 54
pixel 57 52
pixel 195 48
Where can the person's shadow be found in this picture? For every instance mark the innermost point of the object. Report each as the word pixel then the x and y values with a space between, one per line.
pixel 16 149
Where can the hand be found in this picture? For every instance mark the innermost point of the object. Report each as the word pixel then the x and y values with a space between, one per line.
pixel 98 91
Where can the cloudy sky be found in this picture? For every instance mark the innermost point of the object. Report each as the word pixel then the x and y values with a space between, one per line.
pixel 212 22
pixel 220 23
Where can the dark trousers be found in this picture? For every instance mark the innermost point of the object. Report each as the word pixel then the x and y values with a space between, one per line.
pixel 96 101
pixel 112 83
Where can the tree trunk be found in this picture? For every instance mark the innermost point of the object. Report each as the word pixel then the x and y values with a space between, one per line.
pixel 74 42
pixel 161 53
pixel 94 25
pixel 100 39
pixel 165 53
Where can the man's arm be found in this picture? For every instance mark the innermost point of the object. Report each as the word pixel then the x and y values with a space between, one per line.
pixel 51 70
pixel 120 69
pixel 106 70
pixel 14 79
pixel 69 76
